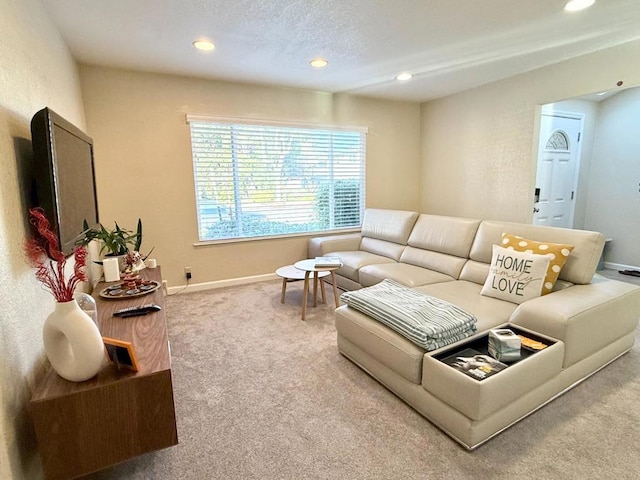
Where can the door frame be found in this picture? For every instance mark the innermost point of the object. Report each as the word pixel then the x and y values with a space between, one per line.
pixel 550 111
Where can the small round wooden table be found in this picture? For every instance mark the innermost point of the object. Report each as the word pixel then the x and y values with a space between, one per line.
pixel 309 266
pixel 289 274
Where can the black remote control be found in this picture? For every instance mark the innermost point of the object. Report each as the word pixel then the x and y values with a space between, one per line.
pixel 137 310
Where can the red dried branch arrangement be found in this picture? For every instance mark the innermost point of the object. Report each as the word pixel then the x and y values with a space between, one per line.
pixel 44 255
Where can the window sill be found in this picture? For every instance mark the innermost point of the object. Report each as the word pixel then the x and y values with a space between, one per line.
pixel 207 243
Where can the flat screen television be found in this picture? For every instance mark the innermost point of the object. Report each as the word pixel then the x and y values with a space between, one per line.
pixel 64 177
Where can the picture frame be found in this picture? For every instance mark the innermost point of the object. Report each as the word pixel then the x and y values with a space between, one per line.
pixel 121 353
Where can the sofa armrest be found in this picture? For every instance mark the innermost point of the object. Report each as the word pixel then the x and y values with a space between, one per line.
pixel 319 246
pixel 585 317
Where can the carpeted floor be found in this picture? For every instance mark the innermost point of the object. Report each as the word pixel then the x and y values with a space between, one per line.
pixel 262 395
pixel 616 275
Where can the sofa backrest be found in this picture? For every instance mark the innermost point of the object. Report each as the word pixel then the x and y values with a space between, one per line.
pixel 440 243
pixel 580 266
pixel 385 232
pixel 390 225
pixel 452 235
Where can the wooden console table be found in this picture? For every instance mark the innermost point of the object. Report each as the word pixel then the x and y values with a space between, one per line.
pixel 117 415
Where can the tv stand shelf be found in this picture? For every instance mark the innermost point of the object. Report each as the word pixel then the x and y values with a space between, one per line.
pixel 117 415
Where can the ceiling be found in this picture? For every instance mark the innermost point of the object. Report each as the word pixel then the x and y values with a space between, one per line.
pixel 448 45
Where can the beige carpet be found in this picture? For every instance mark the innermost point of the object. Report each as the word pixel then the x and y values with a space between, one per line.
pixel 616 275
pixel 262 395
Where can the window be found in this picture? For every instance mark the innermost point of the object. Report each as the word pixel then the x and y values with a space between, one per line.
pixel 557 141
pixel 260 180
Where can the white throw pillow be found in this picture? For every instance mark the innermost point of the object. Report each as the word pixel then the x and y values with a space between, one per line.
pixel 515 276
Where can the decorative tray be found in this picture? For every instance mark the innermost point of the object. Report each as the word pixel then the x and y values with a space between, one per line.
pixel 129 290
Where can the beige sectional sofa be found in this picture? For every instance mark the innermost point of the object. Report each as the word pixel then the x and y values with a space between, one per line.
pixel 588 320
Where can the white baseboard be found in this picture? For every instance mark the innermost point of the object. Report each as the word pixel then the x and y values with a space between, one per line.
pixel 196 287
pixel 620 266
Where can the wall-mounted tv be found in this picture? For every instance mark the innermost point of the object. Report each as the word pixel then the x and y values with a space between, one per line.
pixel 64 176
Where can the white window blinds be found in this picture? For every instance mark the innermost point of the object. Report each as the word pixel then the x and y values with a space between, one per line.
pixel 255 180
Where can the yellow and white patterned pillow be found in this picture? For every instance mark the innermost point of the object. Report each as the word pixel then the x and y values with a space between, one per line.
pixel 557 252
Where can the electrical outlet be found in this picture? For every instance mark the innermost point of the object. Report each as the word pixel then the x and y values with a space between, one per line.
pixel 187 273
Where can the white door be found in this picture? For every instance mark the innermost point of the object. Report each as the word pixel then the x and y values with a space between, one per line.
pixel 556 178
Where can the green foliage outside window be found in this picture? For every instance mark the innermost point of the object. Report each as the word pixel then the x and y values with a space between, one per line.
pixel 346 211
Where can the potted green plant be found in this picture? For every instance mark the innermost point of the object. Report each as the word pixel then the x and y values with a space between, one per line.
pixel 117 242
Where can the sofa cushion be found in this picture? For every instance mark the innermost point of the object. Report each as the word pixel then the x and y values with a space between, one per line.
pixel 390 225
pixel 489 312
pixel 388 347
pixel 450 235
pixel 475 272
pixel 408 275
pixel 581 264
pixel 319 246
pixel 382 247
pixel 353 261
pixel 440 262
pixel 557 252
pixel 344 283
pixel 515 276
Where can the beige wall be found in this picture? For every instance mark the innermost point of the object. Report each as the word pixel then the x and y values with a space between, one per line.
pixel 477 146
pixel 144 167
pixel 614 190
pixel 37 71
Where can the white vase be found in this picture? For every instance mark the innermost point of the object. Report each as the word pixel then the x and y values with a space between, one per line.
pixel 72 343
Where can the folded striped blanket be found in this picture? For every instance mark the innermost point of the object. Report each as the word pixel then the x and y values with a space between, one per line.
pixel 427 321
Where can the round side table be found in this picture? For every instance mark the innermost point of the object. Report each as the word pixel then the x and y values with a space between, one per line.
pixel 289 274
pixel 308 267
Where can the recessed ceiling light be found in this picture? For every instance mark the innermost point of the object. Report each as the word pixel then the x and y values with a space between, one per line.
pixel 318 63
pixel 403 77
pixel 575 5
pixel 204 45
